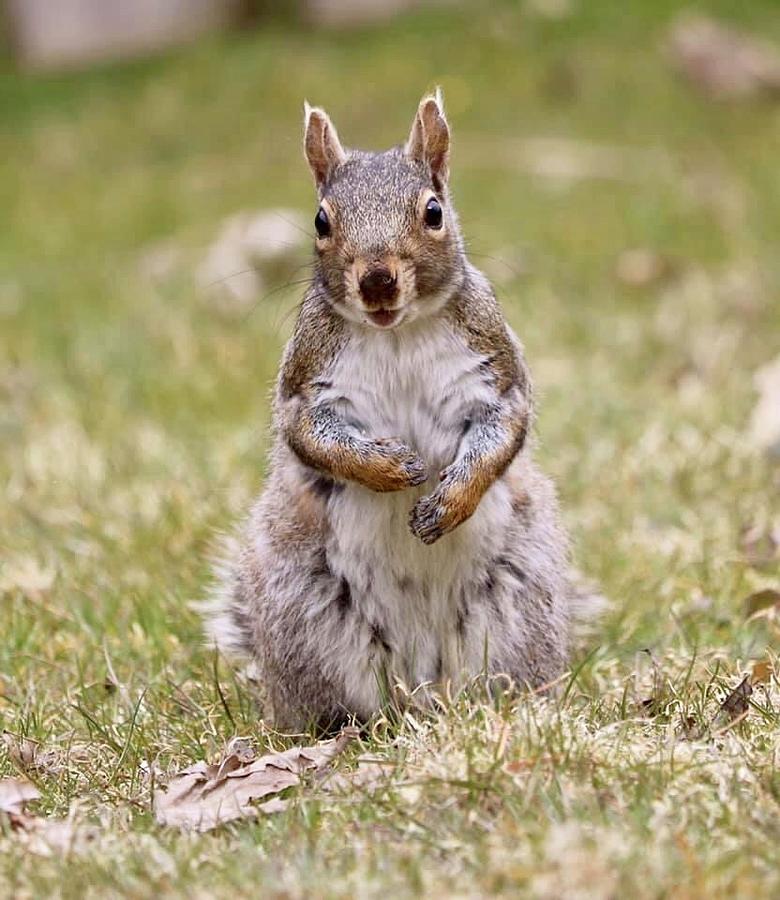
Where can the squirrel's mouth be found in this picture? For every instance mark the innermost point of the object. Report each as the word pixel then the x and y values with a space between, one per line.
pixel 384 318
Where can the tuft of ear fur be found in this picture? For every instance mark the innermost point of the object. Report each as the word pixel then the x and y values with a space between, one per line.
pixel 429 139
pixel 321 145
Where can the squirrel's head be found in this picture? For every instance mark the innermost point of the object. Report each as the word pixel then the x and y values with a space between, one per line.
pixel 388 243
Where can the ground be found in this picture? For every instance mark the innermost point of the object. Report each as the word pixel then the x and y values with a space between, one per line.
pixel 133 426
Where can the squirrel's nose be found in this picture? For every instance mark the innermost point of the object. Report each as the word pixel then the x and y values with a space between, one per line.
pixel 378 286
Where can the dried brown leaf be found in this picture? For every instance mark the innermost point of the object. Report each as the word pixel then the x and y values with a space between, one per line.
pixel 22 751
pixel 735 705
pixel 762 672
pixel 44 837
pixel 202 796
pixel 242 748
pixel 15 794
pixel 28 755
pixel 766 599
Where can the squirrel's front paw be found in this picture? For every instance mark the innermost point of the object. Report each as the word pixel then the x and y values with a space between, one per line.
pixel 398 466
pixel 440 512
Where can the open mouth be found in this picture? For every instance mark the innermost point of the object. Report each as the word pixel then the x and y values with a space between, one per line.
pixel 384 318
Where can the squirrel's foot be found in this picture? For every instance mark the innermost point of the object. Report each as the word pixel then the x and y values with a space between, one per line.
pixel 398 466
pixel 438 513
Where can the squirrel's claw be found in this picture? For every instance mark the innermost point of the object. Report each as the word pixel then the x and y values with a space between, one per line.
pixel 406 468
pixel 430 518
pixel 442 511
pixel 417 471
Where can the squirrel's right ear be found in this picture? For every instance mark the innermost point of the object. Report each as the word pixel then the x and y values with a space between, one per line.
pixel 429 139
pixel 321 145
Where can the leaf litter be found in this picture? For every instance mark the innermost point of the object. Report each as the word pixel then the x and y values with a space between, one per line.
pixel 735 706
pixel 15 794
pixel 202 796
pixel 39 835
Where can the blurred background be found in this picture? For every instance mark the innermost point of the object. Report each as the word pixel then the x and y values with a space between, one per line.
pixel 616 170
pixel 615 166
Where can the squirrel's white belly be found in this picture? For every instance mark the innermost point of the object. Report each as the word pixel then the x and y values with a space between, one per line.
pixel 391 385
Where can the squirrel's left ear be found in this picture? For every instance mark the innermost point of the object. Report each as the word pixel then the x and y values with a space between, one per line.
pixel 429 139
pixel 321 144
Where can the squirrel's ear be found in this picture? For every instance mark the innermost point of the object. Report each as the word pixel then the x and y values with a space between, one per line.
pixel 321 145
pixel 429 139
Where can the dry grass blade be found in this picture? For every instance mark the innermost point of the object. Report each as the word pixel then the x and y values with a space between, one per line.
pixel 202 797
pixel 370 773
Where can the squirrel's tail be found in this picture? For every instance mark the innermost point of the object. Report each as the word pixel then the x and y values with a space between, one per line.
pixel 224 619
pixel 587 605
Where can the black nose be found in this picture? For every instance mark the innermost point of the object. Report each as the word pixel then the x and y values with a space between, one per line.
pixel 378 286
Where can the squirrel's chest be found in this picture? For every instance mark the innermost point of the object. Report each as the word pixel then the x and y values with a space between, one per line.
pixel 420 387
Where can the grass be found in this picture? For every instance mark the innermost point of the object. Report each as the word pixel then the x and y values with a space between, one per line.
pixel 133 424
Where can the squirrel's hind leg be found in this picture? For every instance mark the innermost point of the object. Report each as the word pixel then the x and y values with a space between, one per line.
pixel 280 606
pixel 526 588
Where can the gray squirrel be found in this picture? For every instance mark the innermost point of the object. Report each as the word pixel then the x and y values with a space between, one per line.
pixel 404 535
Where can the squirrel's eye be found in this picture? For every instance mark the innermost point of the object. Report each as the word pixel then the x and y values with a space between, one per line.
pixel 433 213
pixel 322 223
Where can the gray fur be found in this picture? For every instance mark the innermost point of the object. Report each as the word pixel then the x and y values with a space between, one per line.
pixel 404 533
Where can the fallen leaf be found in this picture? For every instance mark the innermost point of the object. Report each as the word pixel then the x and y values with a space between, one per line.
pixel 762 672
pixel 202 796
pixel 242 748
pixel 735 705
pixel 42 836
pixel 22 751
pixel 721 61
pixel 28 755
pixel 768 598
pixel 15 794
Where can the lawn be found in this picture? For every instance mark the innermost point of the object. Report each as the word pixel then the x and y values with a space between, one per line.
pixel 133 427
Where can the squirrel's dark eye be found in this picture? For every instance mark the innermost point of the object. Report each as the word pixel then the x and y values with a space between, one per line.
pixel 433 213
pixel 322 223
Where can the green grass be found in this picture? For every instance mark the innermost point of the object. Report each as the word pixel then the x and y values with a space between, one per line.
pixel 133 425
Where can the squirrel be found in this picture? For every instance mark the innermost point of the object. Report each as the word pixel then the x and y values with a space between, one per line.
pixel 404 535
